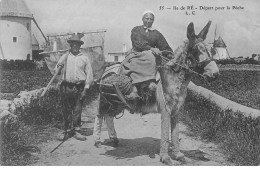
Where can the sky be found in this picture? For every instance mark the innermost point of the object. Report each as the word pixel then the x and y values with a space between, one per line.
pixel 239 27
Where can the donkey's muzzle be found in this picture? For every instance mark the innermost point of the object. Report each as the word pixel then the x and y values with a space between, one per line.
pixel 212 77
pixel 211 71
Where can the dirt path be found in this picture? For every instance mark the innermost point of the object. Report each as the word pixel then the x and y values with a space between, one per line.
pixel 139 145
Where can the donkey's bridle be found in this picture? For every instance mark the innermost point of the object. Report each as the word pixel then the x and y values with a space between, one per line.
pixel 198 65
pixel 188 67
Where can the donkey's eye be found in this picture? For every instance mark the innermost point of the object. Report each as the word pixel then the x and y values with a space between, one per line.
pixel 196 54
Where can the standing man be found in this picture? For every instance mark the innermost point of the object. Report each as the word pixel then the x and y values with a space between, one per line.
pixel 77 77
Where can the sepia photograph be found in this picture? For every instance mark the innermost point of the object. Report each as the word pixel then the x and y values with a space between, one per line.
pixel 129 83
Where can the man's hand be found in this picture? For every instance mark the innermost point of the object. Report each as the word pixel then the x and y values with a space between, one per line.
pixel 156 51
pixel 59 68
pixel 170 56
pixel 83 94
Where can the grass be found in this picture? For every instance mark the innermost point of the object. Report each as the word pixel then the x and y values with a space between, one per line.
pixel 238 136
pixel 20 142
pixel 239 86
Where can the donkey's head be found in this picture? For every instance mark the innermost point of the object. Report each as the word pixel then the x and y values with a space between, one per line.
pixel 199 56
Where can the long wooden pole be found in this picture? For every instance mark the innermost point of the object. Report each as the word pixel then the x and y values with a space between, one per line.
pixel 215 34
pixel 65 34
pixel 51 81
pixel 40 30
pixel 1 49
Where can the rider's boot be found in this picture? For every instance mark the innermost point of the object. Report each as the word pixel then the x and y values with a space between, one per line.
pixel 152 86
pixel 133 95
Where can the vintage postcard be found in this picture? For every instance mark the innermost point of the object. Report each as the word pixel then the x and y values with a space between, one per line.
pixel 129 82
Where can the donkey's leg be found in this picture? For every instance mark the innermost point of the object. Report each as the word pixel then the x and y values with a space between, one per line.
pixel 165 127
pixel 97 125
pixel 110 126
pixel 111 130
pixel 175 146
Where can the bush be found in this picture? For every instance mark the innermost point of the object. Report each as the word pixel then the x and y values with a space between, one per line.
pixel 17 65
pixel 43 111
pixel 14 81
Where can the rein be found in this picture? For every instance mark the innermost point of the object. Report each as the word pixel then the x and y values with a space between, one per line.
pixel 166 60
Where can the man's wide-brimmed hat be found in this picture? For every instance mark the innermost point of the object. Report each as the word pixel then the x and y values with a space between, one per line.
pixel 75 38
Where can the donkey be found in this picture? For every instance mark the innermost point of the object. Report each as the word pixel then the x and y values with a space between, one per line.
pixel 175 74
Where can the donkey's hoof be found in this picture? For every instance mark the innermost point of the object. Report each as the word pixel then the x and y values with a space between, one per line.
pixel 166 160
pixel 177 155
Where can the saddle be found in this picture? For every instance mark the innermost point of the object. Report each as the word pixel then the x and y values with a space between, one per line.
pixel 114 87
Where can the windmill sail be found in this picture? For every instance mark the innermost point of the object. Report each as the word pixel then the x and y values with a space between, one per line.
pixel 219 43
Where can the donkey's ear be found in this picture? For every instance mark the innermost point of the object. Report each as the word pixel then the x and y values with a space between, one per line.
pixel 190 31
pixel 203 33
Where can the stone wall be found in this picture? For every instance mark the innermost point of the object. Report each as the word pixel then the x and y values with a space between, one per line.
pixel 11 110
pixel 222 102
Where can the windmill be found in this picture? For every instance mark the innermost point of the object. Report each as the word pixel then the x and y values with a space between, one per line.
pixel 16 30
pixel 220 48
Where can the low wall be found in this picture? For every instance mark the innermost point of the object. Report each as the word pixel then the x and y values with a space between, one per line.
pixel 15 107
pixel 12 110
pixel 222 102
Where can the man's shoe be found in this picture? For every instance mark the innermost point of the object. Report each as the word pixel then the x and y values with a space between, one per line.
pixel 152 86
pixel 79 136
pixel 114 142
pixel 97 144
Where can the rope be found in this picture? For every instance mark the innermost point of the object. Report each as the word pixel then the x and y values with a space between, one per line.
pixel 166 60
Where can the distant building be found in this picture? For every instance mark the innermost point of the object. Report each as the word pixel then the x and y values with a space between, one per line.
pixel 116 56
pixel 257 57
pixel 239 59
pixel 15 32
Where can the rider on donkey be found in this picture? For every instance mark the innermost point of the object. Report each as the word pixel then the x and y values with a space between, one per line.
pixel 140 63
